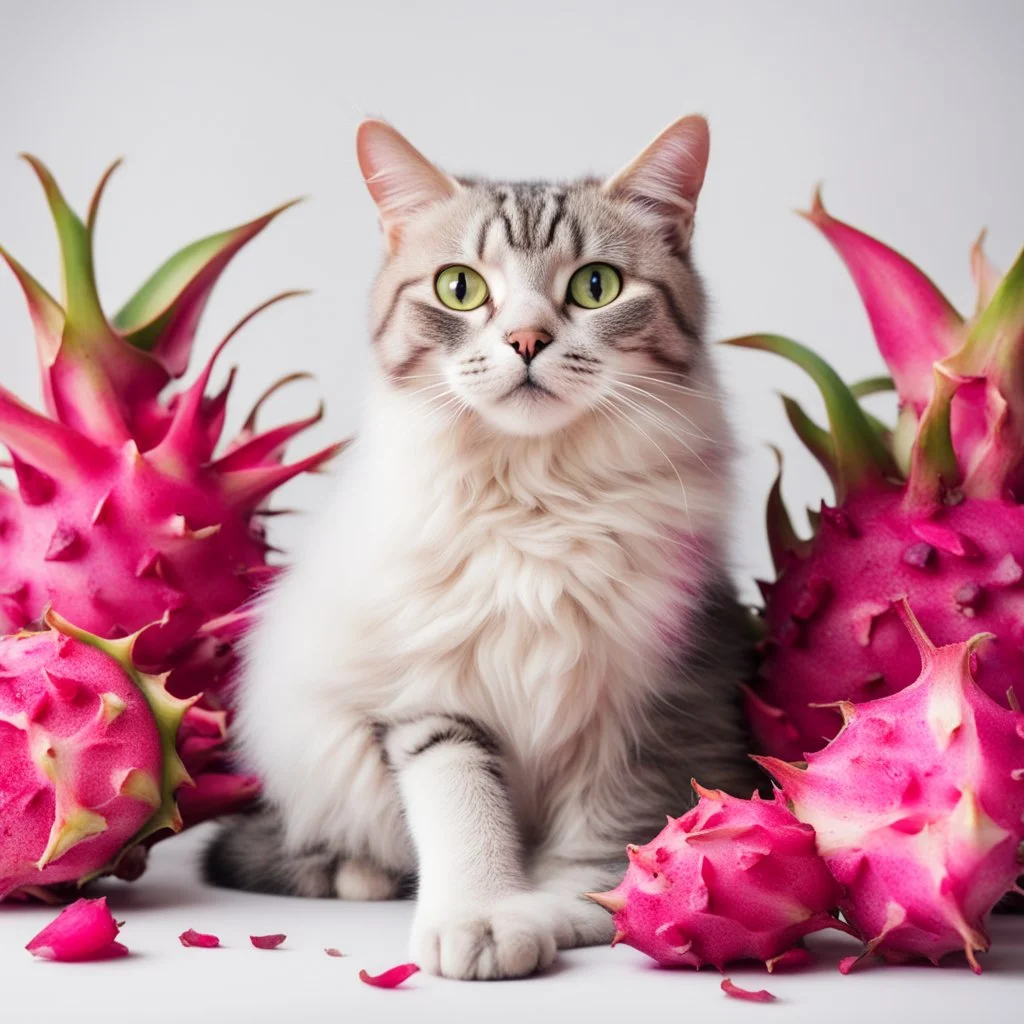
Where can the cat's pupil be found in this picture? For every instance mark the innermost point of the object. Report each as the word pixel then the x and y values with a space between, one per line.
pixel 460 287
pixel 595 286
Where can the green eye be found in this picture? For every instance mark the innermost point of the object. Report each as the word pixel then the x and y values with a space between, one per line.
pixel 461 288
pixel 595 285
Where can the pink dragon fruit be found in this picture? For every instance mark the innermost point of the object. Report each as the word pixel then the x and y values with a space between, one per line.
pixel 88 766
pixel 929 511
pixel 918 807
pixel 124 516
pixel 84 931
pixel 729 880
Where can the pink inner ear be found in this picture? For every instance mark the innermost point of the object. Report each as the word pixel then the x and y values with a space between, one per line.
pixel 669 173
pixel 401 180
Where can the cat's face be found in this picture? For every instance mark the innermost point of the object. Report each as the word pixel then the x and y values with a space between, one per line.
pixel 528 305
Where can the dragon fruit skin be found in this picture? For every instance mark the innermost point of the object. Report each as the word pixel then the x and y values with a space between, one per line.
pixel 88 764
pixel 730 880
pixel 123 515
pixel 929 511
pixel 918 807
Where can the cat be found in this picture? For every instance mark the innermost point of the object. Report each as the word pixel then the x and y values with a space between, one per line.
pixel 511 638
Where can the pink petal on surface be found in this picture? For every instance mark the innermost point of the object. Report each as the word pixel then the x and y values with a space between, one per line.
pixel 391 978
pixel 331 951
pixel 267 941
pixel 84 931
pixel 199 939
pixel 760 996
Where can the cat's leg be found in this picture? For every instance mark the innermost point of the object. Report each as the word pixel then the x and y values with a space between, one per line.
pixel 250 853
pixel 475 917
pixel 561 882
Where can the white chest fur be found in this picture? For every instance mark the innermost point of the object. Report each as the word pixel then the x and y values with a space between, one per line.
pixel 540 589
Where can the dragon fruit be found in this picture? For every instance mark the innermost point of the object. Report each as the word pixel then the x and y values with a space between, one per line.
pixel 88 765
pixel 929 510
pixel 730 880
pixel 124 518
pixel 918 807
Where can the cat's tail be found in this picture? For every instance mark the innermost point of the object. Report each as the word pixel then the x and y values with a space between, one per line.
pixel 249 853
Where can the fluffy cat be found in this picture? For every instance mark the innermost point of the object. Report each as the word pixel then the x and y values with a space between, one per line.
pixel 512 639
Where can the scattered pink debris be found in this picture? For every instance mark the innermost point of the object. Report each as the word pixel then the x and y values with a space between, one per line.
pixel 84 931
pixel 760 996
pixel 848 963
pixel 331 951
pixel 194 938
pixel 267 941
pixel 790 960
pixel 391 978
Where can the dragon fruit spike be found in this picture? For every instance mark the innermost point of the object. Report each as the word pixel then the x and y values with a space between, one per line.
pixel 914 323
pixel 729 880
pixel 124 515
pixel 88 763
pixel 103 377
pixel 940 524
pixel 918 807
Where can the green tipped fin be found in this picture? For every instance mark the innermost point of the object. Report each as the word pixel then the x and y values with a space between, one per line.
pixel 861 457
pixel 160 316
pixel 782 538
pixel 934 469
pixel 872 386
pixel 82 301
pixel 817 439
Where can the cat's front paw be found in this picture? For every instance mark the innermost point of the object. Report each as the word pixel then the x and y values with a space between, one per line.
pixel 512 938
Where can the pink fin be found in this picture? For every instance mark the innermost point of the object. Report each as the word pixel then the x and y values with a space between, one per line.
pixel 914 323
pixel 246 488
pixel 266 447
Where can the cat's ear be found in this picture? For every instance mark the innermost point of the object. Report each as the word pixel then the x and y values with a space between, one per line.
pixel 400 178
pixel 667 176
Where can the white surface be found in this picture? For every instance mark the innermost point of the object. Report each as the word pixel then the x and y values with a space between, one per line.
pixel 299 984
pixel 909 112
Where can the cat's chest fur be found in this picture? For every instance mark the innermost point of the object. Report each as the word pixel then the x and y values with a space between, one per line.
pixel 538 591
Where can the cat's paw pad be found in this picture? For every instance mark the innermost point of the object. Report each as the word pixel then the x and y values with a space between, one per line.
pixel 511 939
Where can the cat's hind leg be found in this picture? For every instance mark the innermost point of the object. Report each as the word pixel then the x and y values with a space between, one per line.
pixel 250 853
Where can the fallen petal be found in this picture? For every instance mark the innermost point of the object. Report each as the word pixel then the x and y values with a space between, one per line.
pixel 760 996
pixel 84 931
pixel 267 941
pixel 331 951
pixel 391 978
pixel 194 938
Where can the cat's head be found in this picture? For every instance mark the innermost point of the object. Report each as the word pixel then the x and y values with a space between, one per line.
pixel 530 304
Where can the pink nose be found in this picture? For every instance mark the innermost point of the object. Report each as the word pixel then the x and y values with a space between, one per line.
pixel 528 343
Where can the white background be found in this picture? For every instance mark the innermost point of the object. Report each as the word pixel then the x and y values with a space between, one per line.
pixel 910 112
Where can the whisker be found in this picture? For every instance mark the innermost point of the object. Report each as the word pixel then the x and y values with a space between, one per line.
pixel 637 427
pixel 671 408
pixel 693 392
pixel 427 387
pixel 661 422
